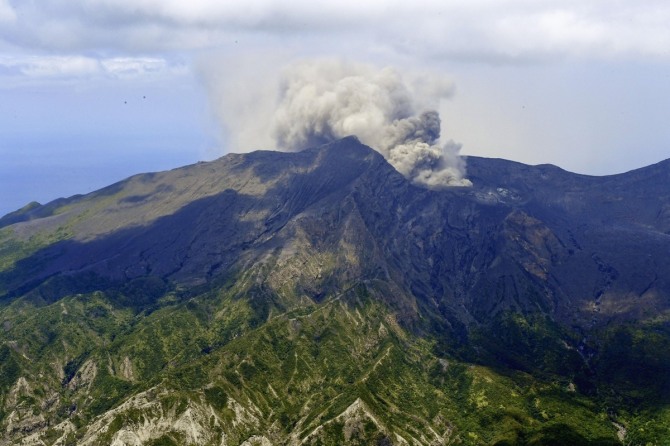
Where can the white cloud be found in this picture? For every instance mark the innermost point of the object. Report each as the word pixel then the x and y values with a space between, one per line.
pixel 129 67
pixel 512 30
pixel 67 67
pixel 590 32
pixel 7 13
pixel 51 66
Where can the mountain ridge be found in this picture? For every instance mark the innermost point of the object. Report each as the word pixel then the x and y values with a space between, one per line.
pixel 276 188
pixel 231 278
pixel 37 210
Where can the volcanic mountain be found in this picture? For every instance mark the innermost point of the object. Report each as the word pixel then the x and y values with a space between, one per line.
pixel 319 297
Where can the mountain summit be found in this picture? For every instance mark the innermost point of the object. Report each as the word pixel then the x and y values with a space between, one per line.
pixel 319 297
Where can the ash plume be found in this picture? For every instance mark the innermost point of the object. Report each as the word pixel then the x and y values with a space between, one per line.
pixel 319 101
pixel 325 100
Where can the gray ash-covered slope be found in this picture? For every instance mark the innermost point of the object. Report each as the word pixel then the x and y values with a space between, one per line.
pixel 584 250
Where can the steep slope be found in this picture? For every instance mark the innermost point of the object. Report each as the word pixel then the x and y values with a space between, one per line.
pixel 319 297
pixel 518 227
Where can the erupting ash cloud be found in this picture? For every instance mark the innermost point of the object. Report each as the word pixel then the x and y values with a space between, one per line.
pixel 325 100
pixel 320 101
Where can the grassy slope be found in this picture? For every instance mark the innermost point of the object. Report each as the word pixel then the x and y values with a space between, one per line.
pixel 295 372
pixel 297 365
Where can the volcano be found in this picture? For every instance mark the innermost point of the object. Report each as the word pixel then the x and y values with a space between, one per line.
pixel 319 297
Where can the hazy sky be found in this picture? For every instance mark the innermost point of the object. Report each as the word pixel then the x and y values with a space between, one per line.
pixel 92 91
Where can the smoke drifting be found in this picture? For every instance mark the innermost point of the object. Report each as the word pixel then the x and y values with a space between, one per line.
pixel 319 101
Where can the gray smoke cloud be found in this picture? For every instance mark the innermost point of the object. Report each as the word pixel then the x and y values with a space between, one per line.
pixel 324 100
pixel 318 101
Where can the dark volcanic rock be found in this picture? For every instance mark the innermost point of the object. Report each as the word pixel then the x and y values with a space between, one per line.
pixel 583 250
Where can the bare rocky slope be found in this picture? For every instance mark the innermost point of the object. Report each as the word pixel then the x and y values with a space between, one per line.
pixel 319 297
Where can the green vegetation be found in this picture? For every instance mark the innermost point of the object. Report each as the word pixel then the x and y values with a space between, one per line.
pixel 340 370
pixel 9 368
pixel 14 249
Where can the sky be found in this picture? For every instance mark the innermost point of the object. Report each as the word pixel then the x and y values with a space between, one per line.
pixel 93 91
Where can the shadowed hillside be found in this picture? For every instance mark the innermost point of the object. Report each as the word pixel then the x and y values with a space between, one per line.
pixel 320 298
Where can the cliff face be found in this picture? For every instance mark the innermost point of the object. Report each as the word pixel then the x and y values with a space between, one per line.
pixel 287 275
